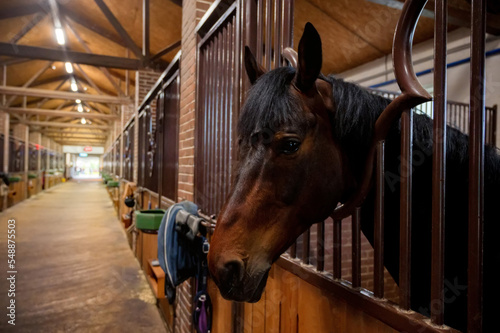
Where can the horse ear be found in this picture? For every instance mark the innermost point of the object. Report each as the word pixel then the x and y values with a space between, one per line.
pixel 254 70
pixel 310 58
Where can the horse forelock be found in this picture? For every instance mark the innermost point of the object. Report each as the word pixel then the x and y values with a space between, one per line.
pixel 270 104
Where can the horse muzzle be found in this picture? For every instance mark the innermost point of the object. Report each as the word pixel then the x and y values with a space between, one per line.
pixel 234 281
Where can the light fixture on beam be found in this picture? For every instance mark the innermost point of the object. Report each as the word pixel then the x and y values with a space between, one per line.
pixel 83 121
pixel 80 108
pixel 61 40
pixel 74 87
pixel 78 101
pixel 69 67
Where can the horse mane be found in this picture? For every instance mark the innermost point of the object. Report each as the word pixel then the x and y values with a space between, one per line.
pixel 270 105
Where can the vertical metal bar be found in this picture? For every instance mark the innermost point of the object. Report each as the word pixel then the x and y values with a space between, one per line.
pixel 405 210
pixel 439 163
pixel 277 27
pixel 378 246
pixel 208 125
pixel 4 83
pixel 320 266
pixel 293 250
pixel 494 124
pixel 337 249
pixel 260 31
pixel 476 166
pixel 213 126
pixel 145 28
pixel 306 239
pixel 269 35
pixel 356 248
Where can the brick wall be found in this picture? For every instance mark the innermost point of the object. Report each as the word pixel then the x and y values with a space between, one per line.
pixel 192 12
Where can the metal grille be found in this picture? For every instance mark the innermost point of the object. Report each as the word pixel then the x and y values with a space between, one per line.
pixel 128 152
pixel 169 112
pixel 457 115
pixel 16 155
pixel 264 26
pixel 141 149
pixel 217 105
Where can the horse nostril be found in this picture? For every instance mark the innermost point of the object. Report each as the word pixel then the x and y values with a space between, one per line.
pixel 232 273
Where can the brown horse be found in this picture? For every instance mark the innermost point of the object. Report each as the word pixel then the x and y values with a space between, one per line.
pixel 303 143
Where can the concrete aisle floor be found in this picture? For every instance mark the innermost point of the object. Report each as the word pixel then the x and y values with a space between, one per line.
pixel 75 270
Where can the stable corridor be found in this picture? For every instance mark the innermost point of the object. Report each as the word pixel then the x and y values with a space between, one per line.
pixel 75 270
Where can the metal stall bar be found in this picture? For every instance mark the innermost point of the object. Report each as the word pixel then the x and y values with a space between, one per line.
pixel 439 162
pixel 476 166
pixel 356 248
pixel 268 46
pixel 277 27
pixel 337 249
pixel 378 273
pixel 320 246
pixel 405 209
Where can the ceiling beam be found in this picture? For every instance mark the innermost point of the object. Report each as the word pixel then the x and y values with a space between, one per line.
pixel 166 50
pixel 65 125
pixel 20 91
pixel 119 29
pixel 81 20
pixel 31 80
pixel 145 29
pixel 72 131
pixel 54 136
pixel 22 11
pixel 35 52
pixel 27 27
pixel 88 50
pixel 56 113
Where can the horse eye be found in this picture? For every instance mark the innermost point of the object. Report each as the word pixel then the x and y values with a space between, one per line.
pixel 289 146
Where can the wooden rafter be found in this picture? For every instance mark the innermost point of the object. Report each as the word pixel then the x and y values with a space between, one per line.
pixel 87 49
pixel 65 125
pixel 27 27
pixel 63 95
pixel 145 29
pixel 119 29
pixel 166 50
pixel 59 113
pixel 31 80
pixel 23 10
pixel 34 52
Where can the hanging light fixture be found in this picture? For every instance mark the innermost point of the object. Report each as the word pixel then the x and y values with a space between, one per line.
pixel 74 87
pixel 78 101
pixel 80 108
pixel 60 36
pixel 83 121
pixel 69 67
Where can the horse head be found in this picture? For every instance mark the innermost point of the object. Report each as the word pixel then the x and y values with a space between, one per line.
pixel 291 171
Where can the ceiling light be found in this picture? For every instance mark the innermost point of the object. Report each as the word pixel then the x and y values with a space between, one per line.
pixel 69 67
pixel 53 67
pixel 84 121
pixel 78 101
pixel 74 87
pixel 80 108
pixel 60 36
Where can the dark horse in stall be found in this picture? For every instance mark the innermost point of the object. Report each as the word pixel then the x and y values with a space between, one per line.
pixel 303 142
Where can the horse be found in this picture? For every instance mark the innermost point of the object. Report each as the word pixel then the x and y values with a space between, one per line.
pixel 303 140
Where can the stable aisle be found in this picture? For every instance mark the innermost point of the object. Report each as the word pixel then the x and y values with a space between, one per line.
pixel 75 270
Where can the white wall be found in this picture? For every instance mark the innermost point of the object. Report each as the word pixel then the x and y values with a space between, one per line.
pixel 380 70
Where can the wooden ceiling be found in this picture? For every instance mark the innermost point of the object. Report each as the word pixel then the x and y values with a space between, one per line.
pixel 109 33
pixel 89 32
